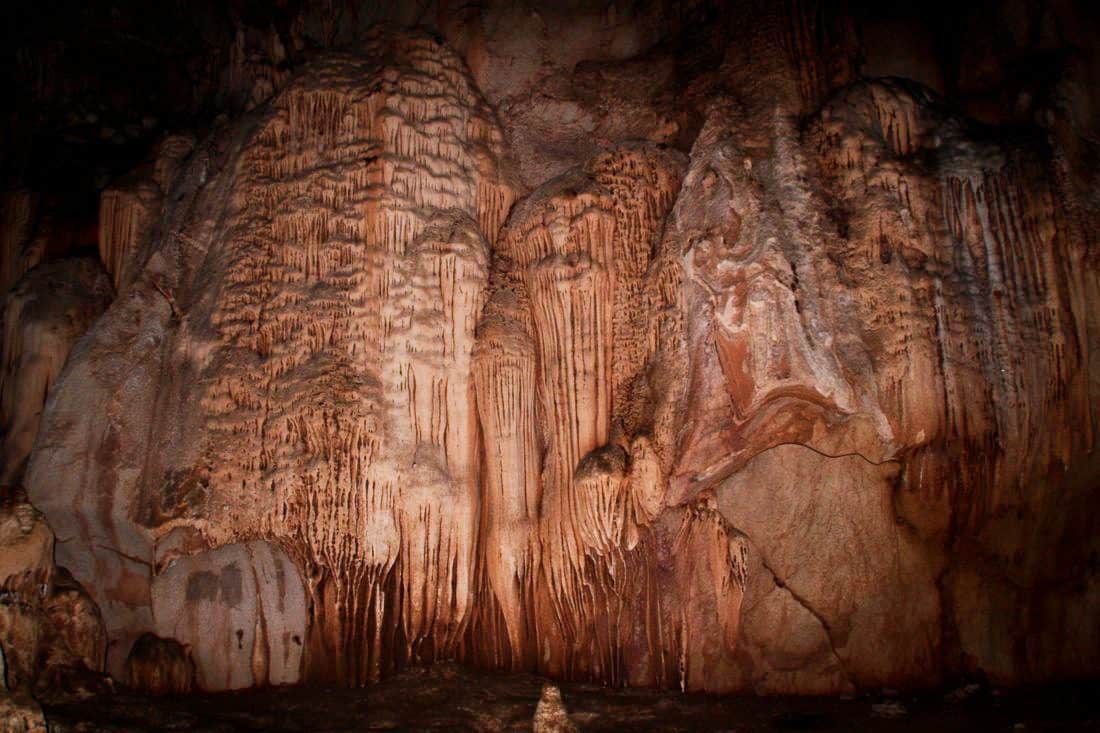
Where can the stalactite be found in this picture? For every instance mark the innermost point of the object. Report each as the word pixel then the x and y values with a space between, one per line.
pixel 571 321
pixel 44 315
pixel 357 273
pixel 126 214
pixel 711 560
pixel 985 313
pixel 18 215
pixel 356 411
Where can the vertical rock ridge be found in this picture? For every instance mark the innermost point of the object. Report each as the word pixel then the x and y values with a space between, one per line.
pixel 358 270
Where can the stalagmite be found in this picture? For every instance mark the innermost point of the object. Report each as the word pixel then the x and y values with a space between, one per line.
pixel 159 666
pixel 504 378
pixel 74 641
pixel 550 713
pixel 26 568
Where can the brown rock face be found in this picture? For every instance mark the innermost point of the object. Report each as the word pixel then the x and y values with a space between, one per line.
pixel 19 713
pixel 160 666
pixel 51 635
pixel 25 573
pixel 348 227
pixel 874 299
pixel 44 315
pixel 808 409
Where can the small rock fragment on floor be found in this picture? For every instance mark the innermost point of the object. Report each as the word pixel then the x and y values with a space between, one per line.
pixel 888 709
pixel 963 693
pixel 550 714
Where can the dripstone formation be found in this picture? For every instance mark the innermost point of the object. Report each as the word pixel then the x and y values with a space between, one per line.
pixel 785 385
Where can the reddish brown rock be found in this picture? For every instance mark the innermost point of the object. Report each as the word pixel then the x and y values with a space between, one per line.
pixel 19 713
pixel 809 410
pixel 26 570
pixel 73 641
pixel 45 313
pixel 159 666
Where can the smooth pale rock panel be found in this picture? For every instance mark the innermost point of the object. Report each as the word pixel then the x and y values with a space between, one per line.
pixel 240 610
pixel 827 536
pixel 100 433
pixel 44 315
pixel 84 472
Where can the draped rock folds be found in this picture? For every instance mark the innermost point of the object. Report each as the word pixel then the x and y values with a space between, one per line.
pixel 751 419
pixel 355 273
pixel 891 302
pixel 568 393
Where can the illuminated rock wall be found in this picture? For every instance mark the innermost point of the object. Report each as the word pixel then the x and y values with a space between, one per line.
pixel 794 410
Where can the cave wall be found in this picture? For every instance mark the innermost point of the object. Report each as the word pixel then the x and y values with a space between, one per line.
pixel 646 346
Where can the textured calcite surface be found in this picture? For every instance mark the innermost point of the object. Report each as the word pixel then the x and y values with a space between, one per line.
pixel 662 349
pixel 19 713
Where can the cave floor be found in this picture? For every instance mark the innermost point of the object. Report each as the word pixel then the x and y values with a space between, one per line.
pixel 447 698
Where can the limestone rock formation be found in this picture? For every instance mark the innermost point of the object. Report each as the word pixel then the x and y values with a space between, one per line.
pixel 159 666
pixel 36 228
pixel 348 226
pixel 51 635
pixel 569 376
pixel 129 210
pixel 718 368
pixel 917 282
pixel 44 315
pixel 19 713
pixel 26 569
pixel 550 713
pixel 72 643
